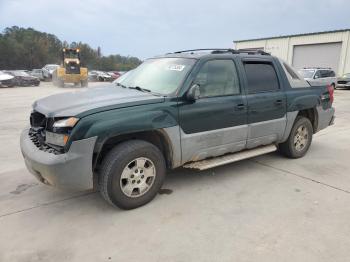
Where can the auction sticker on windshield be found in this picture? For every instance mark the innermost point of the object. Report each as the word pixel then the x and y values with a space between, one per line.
pixel 176 67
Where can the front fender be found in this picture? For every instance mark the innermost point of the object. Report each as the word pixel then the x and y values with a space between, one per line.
pixel 107 124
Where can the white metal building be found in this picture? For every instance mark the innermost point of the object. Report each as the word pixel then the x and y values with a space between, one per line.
pixel 321 49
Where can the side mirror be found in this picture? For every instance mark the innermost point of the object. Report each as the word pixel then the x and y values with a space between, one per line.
pixel 316 76
pixel 193 93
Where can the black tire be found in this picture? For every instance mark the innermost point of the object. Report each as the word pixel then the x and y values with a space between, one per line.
pixel 289 148
pixel 119 158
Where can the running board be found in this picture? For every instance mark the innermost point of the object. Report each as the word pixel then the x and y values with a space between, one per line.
pixel 230 158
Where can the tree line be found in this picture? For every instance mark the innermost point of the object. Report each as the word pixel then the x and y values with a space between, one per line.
pixel 27 48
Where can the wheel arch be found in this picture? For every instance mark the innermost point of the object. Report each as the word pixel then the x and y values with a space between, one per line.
pixel 158 137
pixel 312 115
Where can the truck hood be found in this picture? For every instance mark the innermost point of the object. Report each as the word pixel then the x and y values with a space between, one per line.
pixel 92 100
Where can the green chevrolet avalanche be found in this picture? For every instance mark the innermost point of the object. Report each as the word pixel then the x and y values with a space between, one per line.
pixel 193 109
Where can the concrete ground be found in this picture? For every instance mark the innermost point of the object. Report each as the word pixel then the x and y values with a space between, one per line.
pixel 264 209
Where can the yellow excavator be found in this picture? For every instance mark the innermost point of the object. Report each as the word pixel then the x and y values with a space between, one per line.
pixel 70 70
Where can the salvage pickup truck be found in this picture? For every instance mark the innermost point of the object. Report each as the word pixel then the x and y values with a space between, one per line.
pixel 196 109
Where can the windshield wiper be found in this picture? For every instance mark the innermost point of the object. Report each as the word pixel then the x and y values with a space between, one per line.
pixel 140 89
pixel 119 84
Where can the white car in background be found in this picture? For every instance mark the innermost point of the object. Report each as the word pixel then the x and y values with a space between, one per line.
pixel 6 80
pixel 101 76
pixel 48 70
pixel 37 73
pixel 319 76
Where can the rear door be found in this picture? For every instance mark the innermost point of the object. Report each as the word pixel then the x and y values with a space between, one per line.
pixel 266 102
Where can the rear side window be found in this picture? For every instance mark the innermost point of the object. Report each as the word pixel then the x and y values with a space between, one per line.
pixel 261 77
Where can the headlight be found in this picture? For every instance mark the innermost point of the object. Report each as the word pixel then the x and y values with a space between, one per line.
pixel 68 122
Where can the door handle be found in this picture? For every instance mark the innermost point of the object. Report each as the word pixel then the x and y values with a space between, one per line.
pixel 278 102
pixel 239 107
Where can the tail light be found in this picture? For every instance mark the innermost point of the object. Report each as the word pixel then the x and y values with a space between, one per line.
pixel 331 93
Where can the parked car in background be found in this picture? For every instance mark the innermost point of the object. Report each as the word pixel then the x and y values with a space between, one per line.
pixel 22 78
pixel 6 80
pixel 343 81
pixel 114 75
pixel 38 73
pixel 319 76
pixel 99 76
pixel 119 80
pixel 48 70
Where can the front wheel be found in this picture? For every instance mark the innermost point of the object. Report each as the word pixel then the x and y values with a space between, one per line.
pixel 299 139
pixel 132 174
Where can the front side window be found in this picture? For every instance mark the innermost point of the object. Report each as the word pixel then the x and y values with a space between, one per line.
pixel 318 74
pixel 261 77
pixel 160 75
pixel 218 78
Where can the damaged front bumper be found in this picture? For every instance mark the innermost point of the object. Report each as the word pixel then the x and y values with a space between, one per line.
pixel 71 170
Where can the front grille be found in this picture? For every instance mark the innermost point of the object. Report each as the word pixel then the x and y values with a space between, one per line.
pixel 342 82
pixel 37 136
pixel 37 119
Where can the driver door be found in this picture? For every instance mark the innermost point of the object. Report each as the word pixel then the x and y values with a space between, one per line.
pixel 216 123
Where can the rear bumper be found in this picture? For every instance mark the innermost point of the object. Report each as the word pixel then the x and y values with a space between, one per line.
pixel 72 170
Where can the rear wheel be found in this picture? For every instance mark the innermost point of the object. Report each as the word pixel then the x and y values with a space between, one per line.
pixel 299 139
pixel 132 174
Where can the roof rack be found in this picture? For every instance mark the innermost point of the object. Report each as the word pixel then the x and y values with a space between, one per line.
pixel 225 50
pixel 316 67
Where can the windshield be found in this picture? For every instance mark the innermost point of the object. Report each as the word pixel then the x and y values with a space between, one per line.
pixel 71 54
pixel 307 73
pixel 346 75
pixel 162 75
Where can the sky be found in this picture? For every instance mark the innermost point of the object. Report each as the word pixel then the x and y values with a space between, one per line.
pixel 146 28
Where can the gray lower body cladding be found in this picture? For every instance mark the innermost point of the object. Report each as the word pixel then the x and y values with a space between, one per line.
pixel 72 170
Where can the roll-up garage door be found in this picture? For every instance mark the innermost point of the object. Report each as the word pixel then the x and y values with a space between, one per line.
pixel 317 55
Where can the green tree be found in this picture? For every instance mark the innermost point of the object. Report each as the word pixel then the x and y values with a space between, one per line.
pixel 27 48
